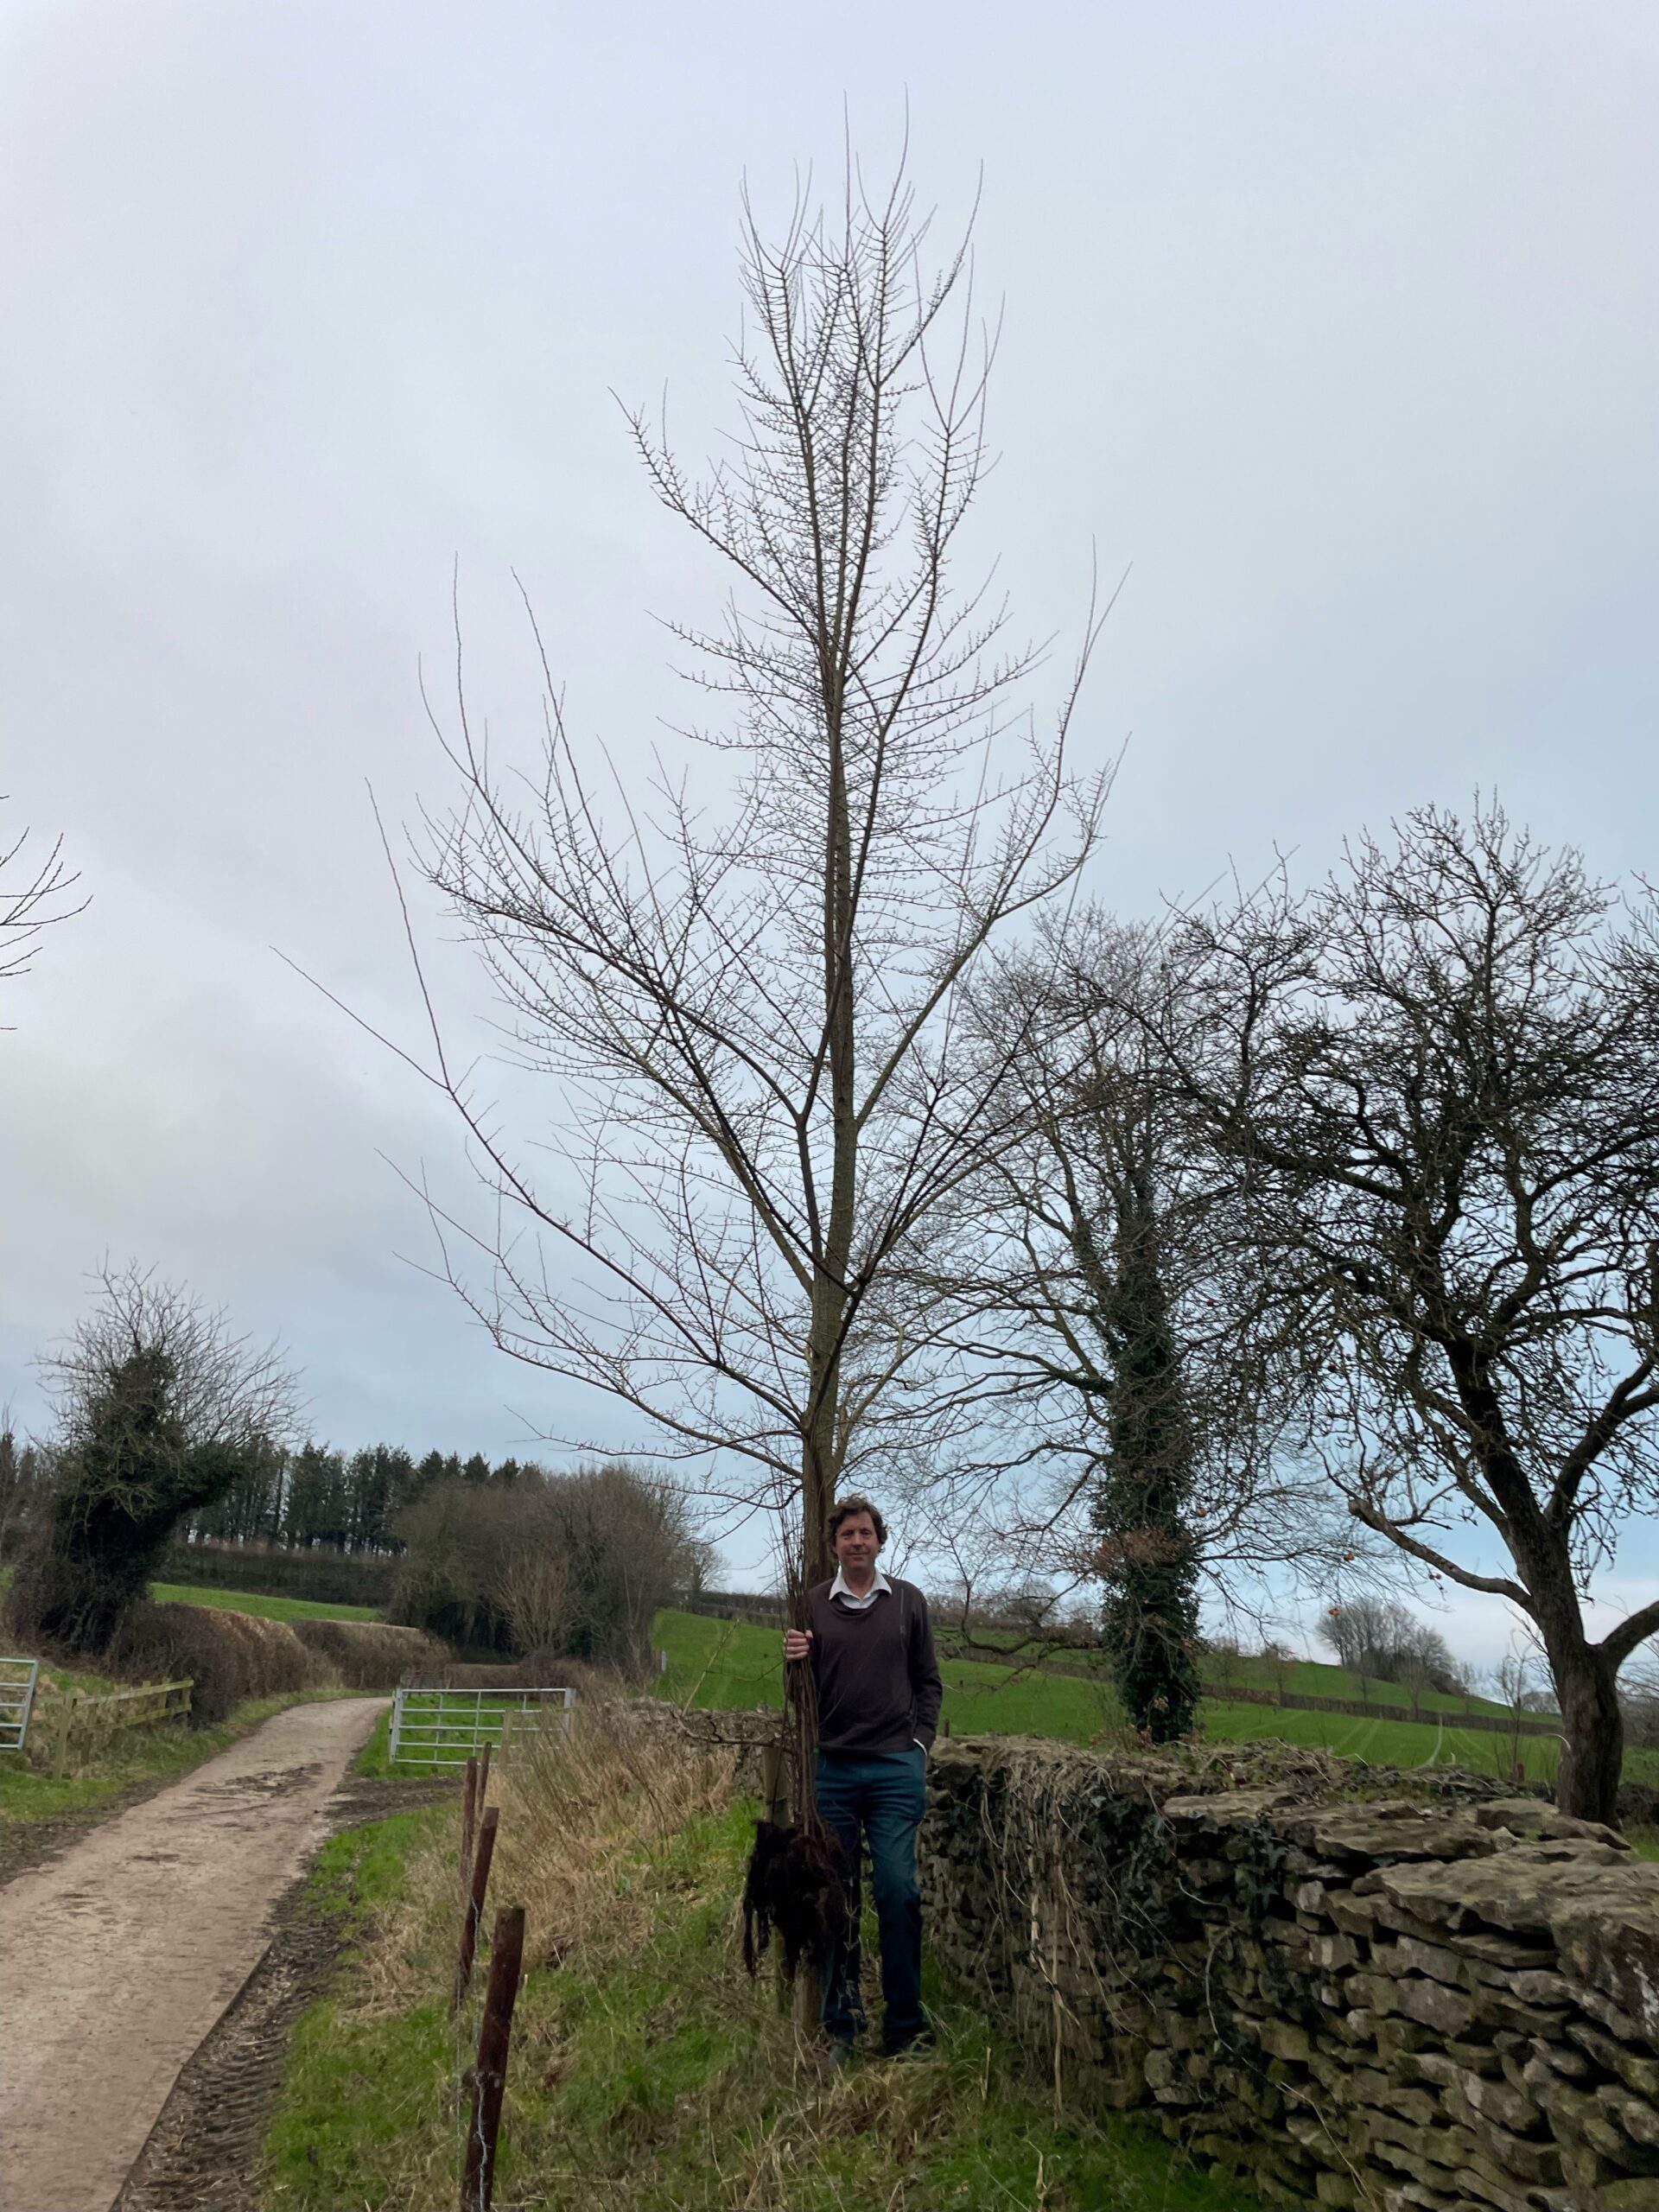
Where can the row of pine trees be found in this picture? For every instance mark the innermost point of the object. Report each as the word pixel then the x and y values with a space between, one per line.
pixel 314 1497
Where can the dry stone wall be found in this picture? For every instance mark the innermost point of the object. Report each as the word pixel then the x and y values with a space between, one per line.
pixel 1388 2002
pixel 749 1734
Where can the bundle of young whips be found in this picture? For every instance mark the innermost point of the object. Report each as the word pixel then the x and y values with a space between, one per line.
pixel 797 1878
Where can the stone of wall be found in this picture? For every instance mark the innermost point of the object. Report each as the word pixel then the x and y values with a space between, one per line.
pixel 1383 2002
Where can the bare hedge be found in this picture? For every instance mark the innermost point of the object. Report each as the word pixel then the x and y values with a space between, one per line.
pixel 229 1657
pixel 372 1655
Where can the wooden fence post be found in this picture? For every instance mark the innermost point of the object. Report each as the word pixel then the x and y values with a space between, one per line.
pixel 472 1913
pixel 490 2074
pixel 468 1824
pixel 482 1798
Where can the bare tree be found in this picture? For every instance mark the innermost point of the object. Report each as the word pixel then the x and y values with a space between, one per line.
pixel 534 1590
pixel 751 990
pixel 1440 1075
pixel 160 1404
pixel 1120 1356
pixel 34 894
pixel 1379 1637
pixel 24 1474
pixel 576 1564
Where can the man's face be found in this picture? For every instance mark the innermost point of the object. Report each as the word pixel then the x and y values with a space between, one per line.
pixel 856 1541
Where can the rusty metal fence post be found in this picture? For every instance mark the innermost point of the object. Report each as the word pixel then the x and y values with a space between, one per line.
pixel 490 2074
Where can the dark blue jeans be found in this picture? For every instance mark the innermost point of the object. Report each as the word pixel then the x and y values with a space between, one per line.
pixel 884 1797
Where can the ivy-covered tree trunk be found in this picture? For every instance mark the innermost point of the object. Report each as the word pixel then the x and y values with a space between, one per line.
pixel 1147 1559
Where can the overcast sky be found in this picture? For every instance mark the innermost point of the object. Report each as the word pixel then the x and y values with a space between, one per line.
pixel 1336 323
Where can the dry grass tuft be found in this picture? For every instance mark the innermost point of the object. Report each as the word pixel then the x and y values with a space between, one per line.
pixel 573 1806
pixel 408 1955
pixel 576 1802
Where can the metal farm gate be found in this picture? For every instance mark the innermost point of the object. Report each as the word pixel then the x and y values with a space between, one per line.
pixel 18 1680
pixel 444 1727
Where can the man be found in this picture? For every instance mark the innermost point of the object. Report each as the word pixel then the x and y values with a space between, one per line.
pixel 870 1647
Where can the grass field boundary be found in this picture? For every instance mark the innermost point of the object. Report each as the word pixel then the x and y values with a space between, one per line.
pixel 1405 1708
pixel 1490 1724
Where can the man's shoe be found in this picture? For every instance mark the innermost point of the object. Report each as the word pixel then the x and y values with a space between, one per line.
pixel 840 2053
pixel 921 2046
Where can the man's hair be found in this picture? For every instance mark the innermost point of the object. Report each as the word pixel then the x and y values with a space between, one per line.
pixel 846 1508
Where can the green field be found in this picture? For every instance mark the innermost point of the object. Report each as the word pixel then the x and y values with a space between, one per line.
pixel 247 1601
pixel 267 1609
pixel 1313 1678
pixel 735 1663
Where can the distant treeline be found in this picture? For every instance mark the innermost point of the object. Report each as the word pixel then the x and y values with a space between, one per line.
pixel 308 1499
pixel 319 1574
pixel 318 1499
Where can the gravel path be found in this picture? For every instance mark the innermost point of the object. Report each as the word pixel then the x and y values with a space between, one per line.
pixel 117 1958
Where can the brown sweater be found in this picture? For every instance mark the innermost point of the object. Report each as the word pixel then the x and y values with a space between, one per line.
pixel 875 1672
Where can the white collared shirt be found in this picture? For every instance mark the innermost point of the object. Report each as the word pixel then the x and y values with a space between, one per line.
pixel 879 1588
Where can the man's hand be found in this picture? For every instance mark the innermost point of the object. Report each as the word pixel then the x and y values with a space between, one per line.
pixel 797 1643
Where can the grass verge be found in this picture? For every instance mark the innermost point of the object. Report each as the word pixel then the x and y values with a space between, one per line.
pixel 361 2084
pixel 373 1762
pixel 647 2071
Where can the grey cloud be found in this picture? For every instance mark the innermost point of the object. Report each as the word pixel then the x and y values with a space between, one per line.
pixel 1340 325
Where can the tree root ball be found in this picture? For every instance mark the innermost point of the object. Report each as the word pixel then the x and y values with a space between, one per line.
pixel 796 1883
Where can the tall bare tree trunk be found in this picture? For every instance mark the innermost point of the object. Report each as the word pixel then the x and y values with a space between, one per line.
pixel 1594 1725
pixel 820 1454
pixel 750 984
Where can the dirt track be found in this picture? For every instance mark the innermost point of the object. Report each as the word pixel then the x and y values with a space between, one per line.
pixel 117 1958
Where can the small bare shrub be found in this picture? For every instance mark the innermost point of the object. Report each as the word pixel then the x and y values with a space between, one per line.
pixel 533 1589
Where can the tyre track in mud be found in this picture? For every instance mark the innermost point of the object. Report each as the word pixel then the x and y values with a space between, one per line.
pixel 119 1957
pixel 203 2153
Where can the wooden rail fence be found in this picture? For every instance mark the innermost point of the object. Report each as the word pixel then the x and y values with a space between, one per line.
pixel 71 1725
